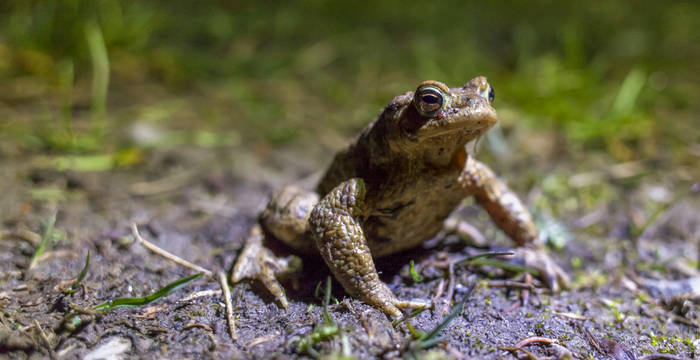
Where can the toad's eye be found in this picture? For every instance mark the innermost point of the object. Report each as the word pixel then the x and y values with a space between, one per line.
pixel 492 94
pixel 429 100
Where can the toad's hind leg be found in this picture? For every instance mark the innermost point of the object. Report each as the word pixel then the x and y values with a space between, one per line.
pixel 335 226
pixel 285 217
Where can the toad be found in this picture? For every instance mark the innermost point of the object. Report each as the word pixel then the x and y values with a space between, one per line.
pixel 391 190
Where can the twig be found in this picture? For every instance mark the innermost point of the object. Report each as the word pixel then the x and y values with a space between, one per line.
pixel 509 284
pixel 27 236
pixel 365 324
pixel 262 339
pixel 167 255
pixel 682 320
pixel 439 291
pixel 464 230
pixel 535 339
pixel 198 325
pixel 522 343
pixel 45 340
pixel 657 356
pixel 525 294
pixel 229 306
pixel 199 294
pixel 512 307
pixel 208 331
pixel 530 355
pixel 593 341
pixel 11 273
pixel 54 254
pixel 85 311
pixel 450 288
pixel 362 317
pixel 63 352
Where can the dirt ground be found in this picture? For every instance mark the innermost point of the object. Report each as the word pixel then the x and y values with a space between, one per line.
pixel 199 204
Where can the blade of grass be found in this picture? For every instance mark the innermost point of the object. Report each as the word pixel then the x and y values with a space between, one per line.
pixel 506 266
pixel 473 258
pixel 326 301
pixel 145 300
pixel 100 73
pixel 629 92
pixel 74 286
pixel 326 329
pixel 485 259
pixel 413 314
pixel 431 338
pixel 446 321
pixel 417 334
pixel 48 235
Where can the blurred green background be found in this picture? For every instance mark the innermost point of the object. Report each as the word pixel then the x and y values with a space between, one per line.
pixel 612 76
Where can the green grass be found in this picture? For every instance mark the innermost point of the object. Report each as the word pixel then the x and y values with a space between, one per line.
pixel 324 330
pixel 50 235
pixel 603 78
pixel 74 285
pixel 148 299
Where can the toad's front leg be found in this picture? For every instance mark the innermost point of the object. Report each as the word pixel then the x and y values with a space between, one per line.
pixel 512 217
pixel 341 241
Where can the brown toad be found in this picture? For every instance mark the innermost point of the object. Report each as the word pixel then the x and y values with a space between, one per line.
pixel 391 190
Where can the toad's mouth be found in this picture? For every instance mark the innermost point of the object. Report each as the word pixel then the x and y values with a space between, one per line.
pixel 469 121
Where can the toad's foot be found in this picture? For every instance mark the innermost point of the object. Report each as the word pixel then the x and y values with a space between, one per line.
pixel 257 262
pixel 550 272
pixel 383 299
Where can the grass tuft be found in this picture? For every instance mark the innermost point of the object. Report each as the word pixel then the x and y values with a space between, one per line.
pixel 414 275
pixel 74 285
pixel 45 239
pixel 324 330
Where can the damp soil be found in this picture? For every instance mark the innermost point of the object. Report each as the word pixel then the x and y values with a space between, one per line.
pixel 201 205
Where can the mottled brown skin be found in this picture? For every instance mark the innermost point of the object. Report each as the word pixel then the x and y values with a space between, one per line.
pixel 391 190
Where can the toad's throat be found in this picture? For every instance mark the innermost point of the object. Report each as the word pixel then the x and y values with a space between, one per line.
pixel 468 127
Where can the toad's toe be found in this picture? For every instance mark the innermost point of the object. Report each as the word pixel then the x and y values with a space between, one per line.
pixel 382 298
pixel 259 263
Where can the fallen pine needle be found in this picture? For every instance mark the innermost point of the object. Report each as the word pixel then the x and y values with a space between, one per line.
pixel 167 255
pixel 199 294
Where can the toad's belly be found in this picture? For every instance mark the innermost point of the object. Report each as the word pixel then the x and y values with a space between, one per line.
pixel 407 221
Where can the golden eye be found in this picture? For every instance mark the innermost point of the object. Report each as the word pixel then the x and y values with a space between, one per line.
pixel 429 100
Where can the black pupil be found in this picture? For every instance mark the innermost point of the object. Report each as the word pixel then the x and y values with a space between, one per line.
pixel 431 99
pixel 492 94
